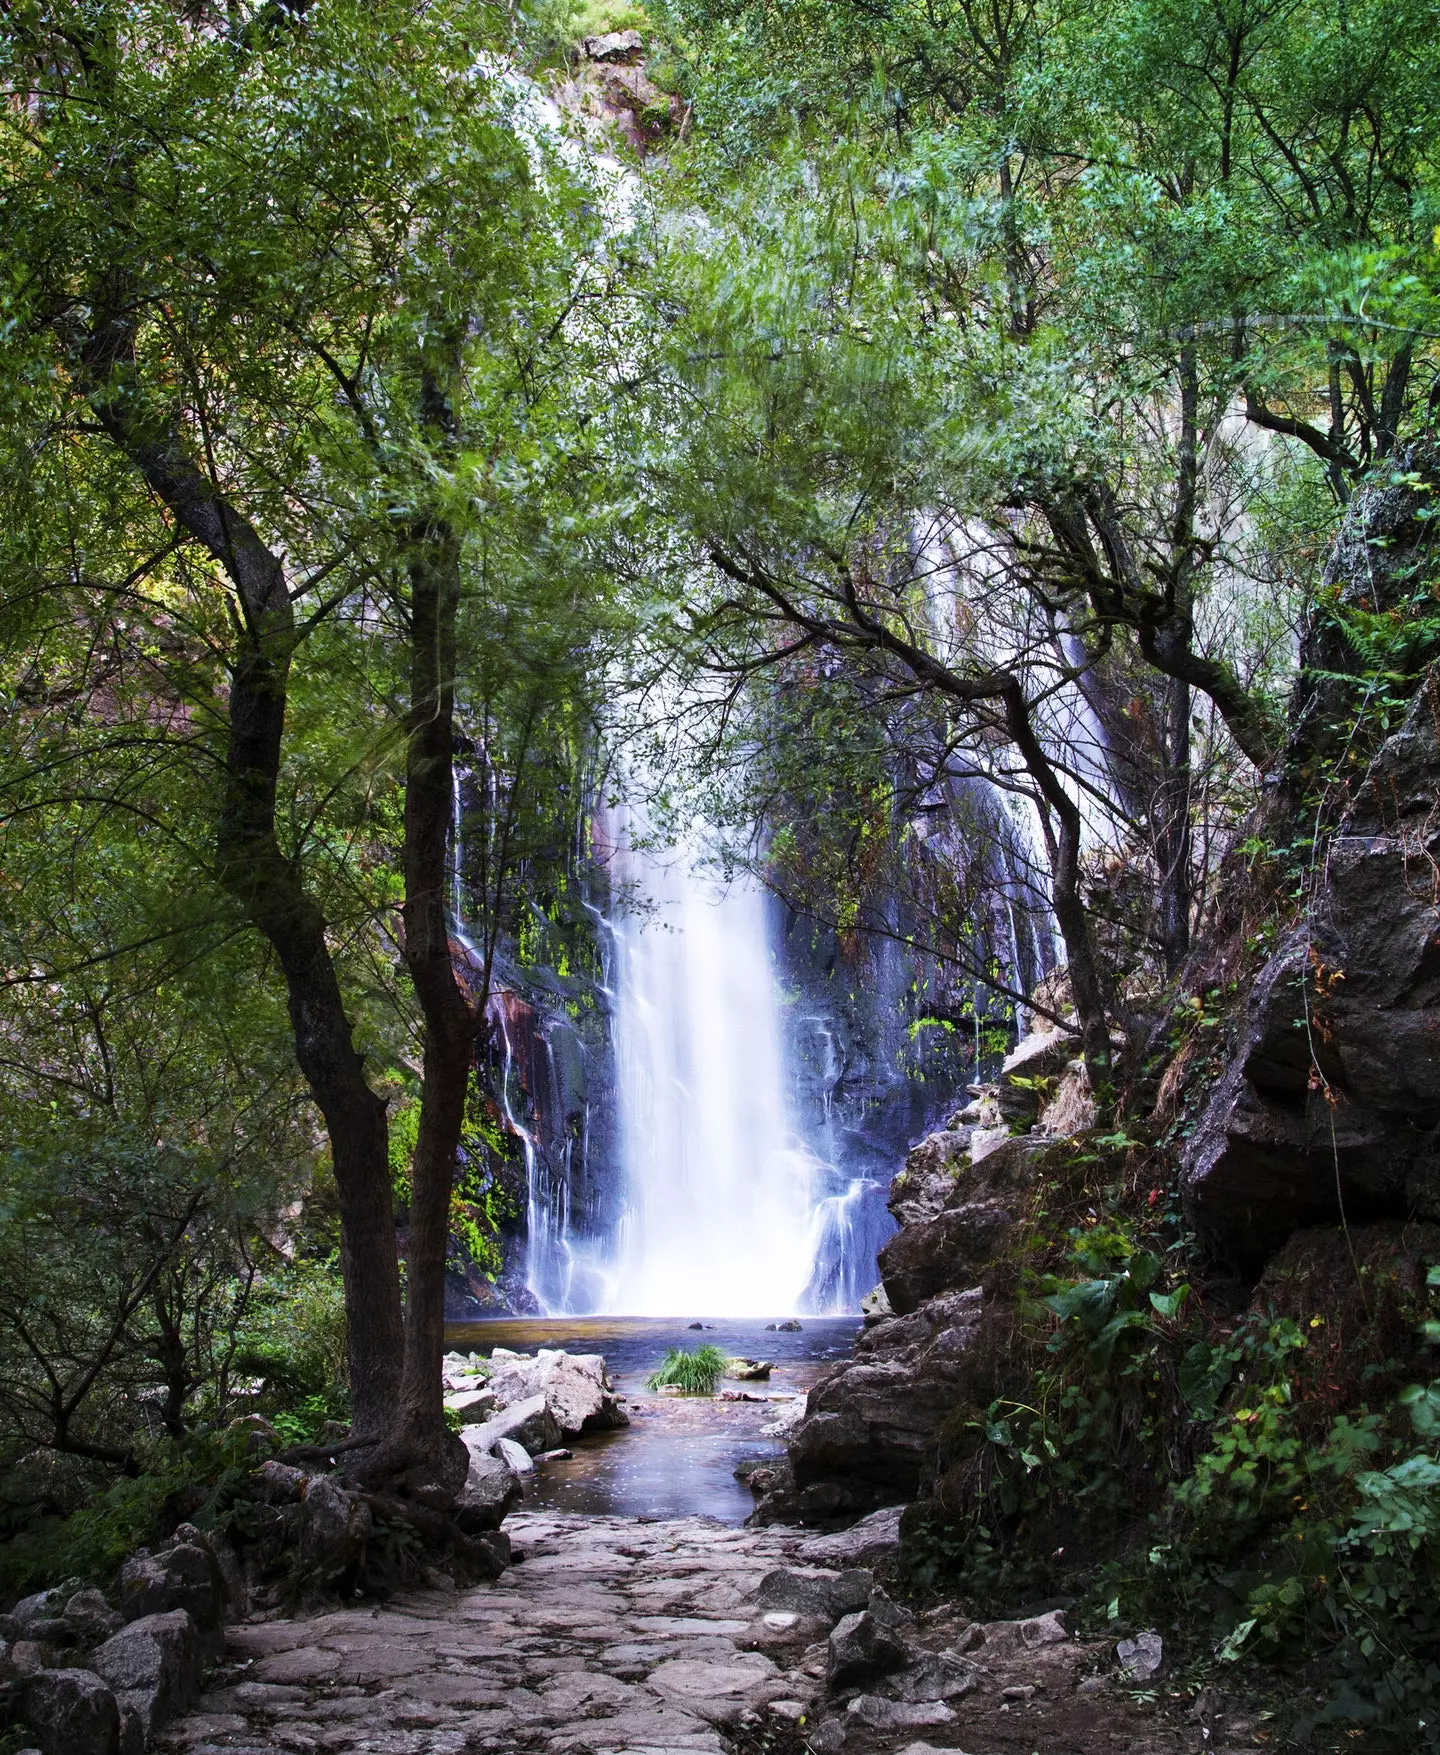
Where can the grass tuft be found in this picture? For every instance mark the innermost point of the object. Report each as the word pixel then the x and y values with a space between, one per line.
pixel 696 1373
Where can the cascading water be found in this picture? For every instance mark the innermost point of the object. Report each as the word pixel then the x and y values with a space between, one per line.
pixel 720 1190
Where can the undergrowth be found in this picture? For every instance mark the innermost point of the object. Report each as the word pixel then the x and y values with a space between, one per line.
pixel 1261 1481
pixel 696 1373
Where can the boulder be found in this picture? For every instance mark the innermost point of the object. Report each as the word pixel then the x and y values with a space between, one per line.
pixel 866 1543
pixel 44 1605
pixel 811 1591
pixel 749 1370
pixel 90 1618
pixel 614 45
pixel 1142 1657
pixel 472 1405
pixel 861 1648
pixel 575 1388
pixel 254 1434
pixel 517 1459
pixel 875 1305
pixel 153 1666
pixel 877 1713
pixel 490 1553
pixel 530 1423
pixel 279 1483
pixel 335 1527
pixel 960 1244
pixel 490 1491
pixel 933 1675
pixel 72 1712
pixel 185 1577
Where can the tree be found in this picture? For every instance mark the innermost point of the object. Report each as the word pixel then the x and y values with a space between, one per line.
pixel 297 275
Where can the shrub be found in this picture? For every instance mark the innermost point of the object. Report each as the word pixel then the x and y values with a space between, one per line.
pixel 696 1373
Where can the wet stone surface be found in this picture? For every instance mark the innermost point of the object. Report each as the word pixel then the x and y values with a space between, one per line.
pixel 622 1637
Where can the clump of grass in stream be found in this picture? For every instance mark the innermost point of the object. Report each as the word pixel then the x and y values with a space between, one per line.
pixel 696 1373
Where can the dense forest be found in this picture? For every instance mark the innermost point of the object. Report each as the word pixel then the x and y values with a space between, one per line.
pixel 977 457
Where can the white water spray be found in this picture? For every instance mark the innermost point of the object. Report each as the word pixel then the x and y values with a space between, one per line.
pixel 719 1189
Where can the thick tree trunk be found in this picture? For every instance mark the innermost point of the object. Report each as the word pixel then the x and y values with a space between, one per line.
pixel 450 1020
pixel 253 867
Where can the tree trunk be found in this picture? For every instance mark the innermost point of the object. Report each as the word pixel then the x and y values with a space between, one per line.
pixel 254 869
pixel 1170 819
pixel 450 1020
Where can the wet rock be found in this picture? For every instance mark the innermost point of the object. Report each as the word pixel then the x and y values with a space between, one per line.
pixel 811 1591
pixel 153 1666
pixel 182 1578
pixel 790 1326
pixel 749 1370
pixel 72 1712
pixel 861 1648
pixel 1141 1657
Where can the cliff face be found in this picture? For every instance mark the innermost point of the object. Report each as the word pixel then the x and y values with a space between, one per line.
pixel 1328 1103
pixel 940 1339
pixel 1316 1101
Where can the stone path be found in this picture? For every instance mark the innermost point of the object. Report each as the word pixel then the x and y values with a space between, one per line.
pixel 614 1637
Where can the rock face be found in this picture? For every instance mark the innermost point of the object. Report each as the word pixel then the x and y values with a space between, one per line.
pixel 870 1420
pixel 1333 1074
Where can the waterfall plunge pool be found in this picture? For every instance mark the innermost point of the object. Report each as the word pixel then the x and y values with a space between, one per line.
pixel 678 1456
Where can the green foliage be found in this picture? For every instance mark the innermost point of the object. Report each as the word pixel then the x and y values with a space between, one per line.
pixel 1250 1516
pixel 696 1373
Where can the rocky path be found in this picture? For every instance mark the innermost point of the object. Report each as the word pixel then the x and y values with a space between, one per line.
pixel 616 1637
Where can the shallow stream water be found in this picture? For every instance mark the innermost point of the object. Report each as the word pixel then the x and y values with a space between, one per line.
pixel 678 1456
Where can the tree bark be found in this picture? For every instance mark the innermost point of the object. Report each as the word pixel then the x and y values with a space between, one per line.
pixel 450 1019
pixel 254 869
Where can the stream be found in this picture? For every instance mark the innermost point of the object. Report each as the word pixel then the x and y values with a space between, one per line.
pixel 678 1456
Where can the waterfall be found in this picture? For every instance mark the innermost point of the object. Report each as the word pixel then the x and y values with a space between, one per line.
pixel 720 1192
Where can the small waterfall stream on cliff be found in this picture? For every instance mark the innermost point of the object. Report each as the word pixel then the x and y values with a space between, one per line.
pixel 720 1192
